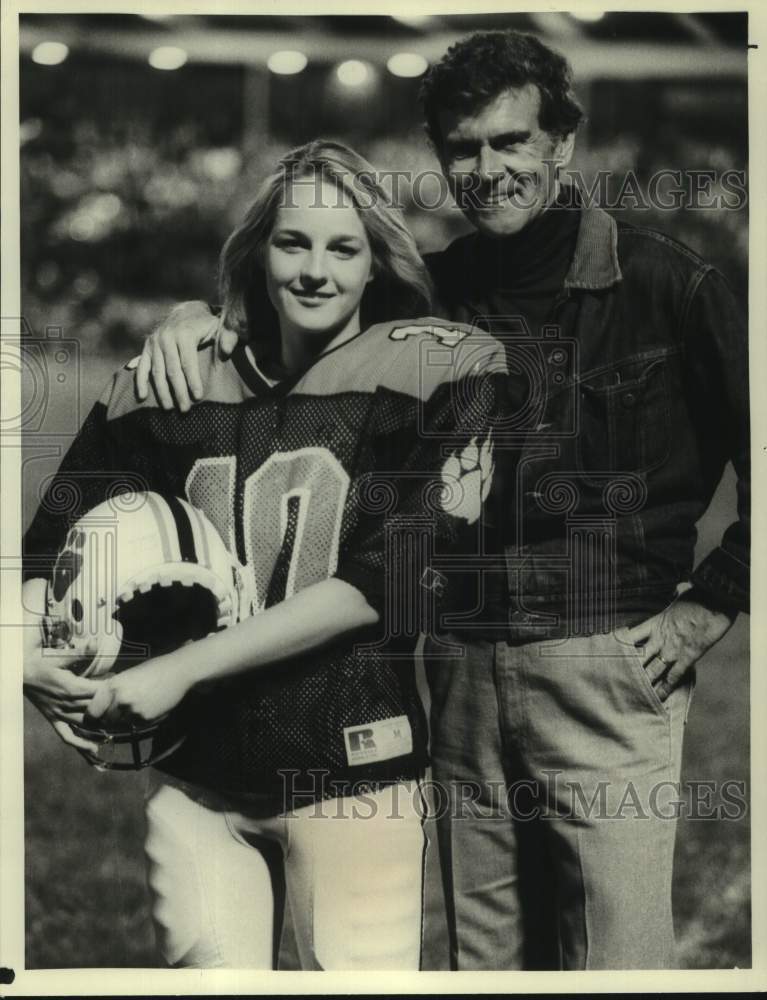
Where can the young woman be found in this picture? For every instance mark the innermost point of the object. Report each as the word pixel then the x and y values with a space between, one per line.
pixel 340 461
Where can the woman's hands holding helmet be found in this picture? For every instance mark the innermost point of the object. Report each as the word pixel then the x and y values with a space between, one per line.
pixel 49 681
pixel 315 616
pixel 139 694
pixel 142 693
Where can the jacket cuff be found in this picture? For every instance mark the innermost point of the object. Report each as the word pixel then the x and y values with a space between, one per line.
pixel 725 580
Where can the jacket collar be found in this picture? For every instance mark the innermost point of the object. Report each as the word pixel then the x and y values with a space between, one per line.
pixel 595 261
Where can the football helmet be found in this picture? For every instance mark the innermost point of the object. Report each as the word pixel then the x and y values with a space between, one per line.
pixel 138 576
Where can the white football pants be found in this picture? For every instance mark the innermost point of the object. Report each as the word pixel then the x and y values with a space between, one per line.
pixel 350 868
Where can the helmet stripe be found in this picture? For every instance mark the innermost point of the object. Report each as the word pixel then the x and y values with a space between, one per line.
pixel 167 550
pixel 183 528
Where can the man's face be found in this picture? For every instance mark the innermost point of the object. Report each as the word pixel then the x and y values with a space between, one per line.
pixel 500 165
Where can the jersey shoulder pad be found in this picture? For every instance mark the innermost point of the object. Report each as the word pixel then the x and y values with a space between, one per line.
pixel 443 332
pixel 433 351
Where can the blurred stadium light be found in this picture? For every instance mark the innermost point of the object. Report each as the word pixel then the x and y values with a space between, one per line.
pixel 413 20
pixel 287 62
pixel 353 73
pixel 587 15
pixel 167 57
pixel 407 64
pixel 49 53
pixel 615 45
pixel 281 78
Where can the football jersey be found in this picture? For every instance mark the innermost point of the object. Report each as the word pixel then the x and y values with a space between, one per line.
pixel 369 466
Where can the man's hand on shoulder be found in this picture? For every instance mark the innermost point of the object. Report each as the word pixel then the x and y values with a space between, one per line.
pixel 169 355
pixel 674 640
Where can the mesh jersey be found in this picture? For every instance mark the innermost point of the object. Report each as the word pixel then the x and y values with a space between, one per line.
pixel 366 467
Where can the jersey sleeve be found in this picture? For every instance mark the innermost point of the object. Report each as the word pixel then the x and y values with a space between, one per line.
pixel 89 473
pixel 423 514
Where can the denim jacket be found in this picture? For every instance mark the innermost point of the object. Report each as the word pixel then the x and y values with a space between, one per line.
pixel 637 397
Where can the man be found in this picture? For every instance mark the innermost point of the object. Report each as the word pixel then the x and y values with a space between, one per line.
pixel 557 734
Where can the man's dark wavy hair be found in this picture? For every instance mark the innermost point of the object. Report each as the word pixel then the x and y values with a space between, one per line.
pixel 476 70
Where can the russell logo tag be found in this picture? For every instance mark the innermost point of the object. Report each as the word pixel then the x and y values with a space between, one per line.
pixel 380 740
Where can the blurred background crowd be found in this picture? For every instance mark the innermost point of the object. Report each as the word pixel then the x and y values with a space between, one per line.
pixel 144 137
pixel 142 140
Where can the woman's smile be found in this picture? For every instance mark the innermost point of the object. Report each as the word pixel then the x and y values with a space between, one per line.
pixel 310 298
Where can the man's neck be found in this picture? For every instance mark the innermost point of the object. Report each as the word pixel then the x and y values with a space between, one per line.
pixel 536 257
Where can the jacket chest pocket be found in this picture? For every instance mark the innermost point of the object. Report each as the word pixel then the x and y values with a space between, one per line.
pixel 625 421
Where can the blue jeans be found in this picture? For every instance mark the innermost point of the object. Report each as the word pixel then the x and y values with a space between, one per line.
pixel 555 765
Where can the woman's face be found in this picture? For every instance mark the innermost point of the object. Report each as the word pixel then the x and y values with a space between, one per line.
pixel 318 260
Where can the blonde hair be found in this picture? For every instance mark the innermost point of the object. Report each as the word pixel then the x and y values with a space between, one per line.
pixel 400 287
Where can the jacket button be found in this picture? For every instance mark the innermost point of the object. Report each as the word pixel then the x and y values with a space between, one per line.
pixel 629 399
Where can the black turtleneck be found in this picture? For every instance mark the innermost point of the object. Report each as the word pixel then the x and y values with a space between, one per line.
pixel 517 275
